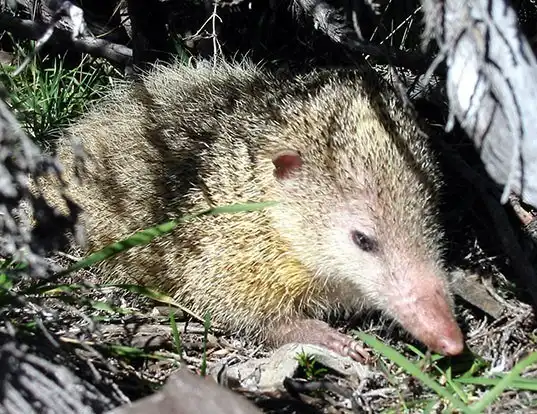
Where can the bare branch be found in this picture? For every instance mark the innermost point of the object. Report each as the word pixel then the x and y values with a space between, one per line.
pixel 96 47
pixel 334 24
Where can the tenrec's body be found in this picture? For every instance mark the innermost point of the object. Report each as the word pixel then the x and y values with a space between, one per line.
pixel 355 184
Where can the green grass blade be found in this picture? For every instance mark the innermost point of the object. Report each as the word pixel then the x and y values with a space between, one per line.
pixel 429 407
pixel 145 236
pixel 447 375
pixel 527 384
pixel 206 327
pixel 504 383
pixel 238 208
pixel 155 295
pixel 71 289
pixel 175 334
pixel 412 369
pixel 106 307
pixel 137 239
pixel 53 289
pixel 454 386
pixel 137 289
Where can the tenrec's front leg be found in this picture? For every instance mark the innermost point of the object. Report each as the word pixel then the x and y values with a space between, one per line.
pixel 316 332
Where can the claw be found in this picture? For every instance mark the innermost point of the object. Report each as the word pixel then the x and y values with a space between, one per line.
pixel 316 332
pixel 345 345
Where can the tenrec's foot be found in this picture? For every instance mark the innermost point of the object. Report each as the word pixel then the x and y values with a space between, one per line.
pixel 316 332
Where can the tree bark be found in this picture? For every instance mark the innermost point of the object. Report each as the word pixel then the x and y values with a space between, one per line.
pixel 491 85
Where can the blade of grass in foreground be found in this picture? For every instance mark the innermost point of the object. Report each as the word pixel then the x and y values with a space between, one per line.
pixel 175 335
pixel 155 295
pixel 504 383
pixel 145 236
pixel 527 384
pixel 447 374
pixel 412 369
pixel 148 292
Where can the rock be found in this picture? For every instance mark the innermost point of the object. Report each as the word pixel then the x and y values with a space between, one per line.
pixel 186 393
pixel 267 374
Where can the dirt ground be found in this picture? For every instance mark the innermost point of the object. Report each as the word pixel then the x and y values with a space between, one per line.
pixel 89 339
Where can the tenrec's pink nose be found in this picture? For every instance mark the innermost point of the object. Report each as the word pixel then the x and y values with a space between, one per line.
pixel 430 320
pixel 450 345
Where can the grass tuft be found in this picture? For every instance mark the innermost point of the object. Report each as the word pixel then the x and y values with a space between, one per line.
pixel 452 388
pixel 47 94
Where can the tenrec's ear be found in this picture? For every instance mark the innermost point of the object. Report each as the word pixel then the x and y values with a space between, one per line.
pixel 285 163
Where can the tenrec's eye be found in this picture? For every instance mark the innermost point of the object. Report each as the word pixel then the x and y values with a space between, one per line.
pixel 367 244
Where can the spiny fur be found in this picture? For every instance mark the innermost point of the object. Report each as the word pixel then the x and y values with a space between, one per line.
pixel 185 139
